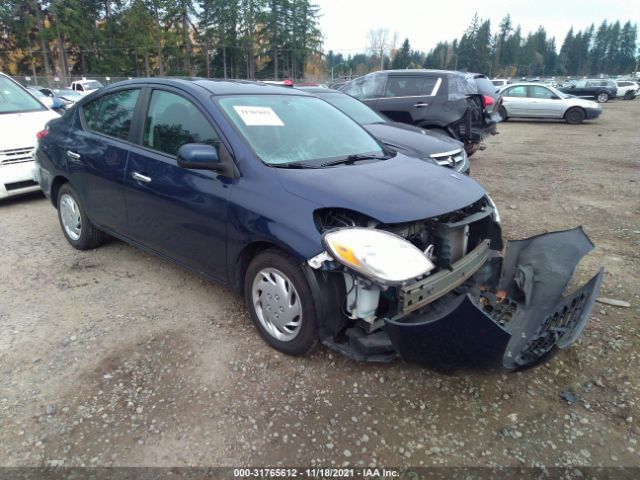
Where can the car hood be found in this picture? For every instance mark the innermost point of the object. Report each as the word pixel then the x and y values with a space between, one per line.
pixel 400 189
pixel 412 140
pixel 23 128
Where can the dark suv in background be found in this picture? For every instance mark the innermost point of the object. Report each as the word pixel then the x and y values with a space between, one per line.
pixel 452 102
pixel 601 89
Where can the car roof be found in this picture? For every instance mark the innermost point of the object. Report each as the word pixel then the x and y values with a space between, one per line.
pixel 523 84
pixel 417 71
pixel 215 87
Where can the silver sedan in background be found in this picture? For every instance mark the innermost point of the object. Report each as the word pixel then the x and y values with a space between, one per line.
pixel 533 100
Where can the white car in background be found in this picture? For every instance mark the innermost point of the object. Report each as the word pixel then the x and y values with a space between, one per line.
pixel 85 87
pixel 627 89
pixel 535 100
pixel 21 118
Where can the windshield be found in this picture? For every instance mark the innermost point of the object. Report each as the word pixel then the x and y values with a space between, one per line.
pixel 67 93
pixel 92 85
pixel 285 129
pixel 557 92
pixel 352 107
pixel 13 99
pixel 37 93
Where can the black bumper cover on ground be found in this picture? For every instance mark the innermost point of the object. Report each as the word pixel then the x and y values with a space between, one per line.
pixel 529 321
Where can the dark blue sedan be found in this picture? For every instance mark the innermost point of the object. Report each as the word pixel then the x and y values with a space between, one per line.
pixel 330 236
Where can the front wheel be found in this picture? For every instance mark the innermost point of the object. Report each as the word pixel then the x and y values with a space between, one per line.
pixel 280 303
pixel 602 97
pixel 76 226
pixel 574 116
pixel 630 95
pixel 471 148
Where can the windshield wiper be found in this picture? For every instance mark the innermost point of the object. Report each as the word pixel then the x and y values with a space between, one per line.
pixel 349 159
pixel 298 165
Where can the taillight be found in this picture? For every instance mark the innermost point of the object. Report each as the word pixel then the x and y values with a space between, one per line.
pixel 487 101
pixel 42 133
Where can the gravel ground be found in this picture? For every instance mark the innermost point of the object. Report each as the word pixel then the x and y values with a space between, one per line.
pixel 116 357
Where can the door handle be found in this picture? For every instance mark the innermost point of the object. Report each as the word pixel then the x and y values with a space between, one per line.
pixel 73 155
pixel 141 178
pixel 420 105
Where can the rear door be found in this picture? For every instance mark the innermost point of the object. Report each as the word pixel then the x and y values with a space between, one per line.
pixel 544 103
pixel 98 148
pixel 409 98
pixel 178 212
pixel 516 101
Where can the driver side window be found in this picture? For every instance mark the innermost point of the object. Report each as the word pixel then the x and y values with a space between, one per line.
pixel 540 92
pixel 365 87
pixel 173 121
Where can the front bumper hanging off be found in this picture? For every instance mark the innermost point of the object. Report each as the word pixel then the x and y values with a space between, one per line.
pixel 511 311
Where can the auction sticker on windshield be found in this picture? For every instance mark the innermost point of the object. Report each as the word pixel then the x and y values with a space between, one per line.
pixel 258 116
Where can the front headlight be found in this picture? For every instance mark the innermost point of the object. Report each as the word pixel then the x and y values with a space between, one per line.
pixel 496 215
pixel 377 254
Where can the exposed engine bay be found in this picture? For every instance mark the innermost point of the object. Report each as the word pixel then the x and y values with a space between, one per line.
pixel 471 304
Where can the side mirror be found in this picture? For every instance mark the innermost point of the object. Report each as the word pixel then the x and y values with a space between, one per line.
pixel 199 156
pixel 555 97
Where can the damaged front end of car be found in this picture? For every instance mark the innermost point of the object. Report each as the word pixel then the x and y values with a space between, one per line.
pixel 440 292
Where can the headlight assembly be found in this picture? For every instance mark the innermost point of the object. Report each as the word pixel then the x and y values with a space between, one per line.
pixel 377 254
pixel 496 215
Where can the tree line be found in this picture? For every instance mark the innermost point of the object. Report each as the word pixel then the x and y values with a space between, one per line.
pixel 216 38
pixel 611 48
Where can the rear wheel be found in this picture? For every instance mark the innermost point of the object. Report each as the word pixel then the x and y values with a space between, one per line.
pixel 603 97
pixel 503 114
pixel 76 226
pixel 280 303
pixel 574 116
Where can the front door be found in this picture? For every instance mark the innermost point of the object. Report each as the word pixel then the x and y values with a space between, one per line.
pixel 175 211
pixel 544 102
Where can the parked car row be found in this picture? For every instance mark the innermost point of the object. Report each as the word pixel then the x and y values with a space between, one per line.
pixel 22 116
pixel 321 217
pixel 462 106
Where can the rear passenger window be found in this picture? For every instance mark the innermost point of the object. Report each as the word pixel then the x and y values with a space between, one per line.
pixel 409 86
pixel 520 91
pixel 111 114
pixel 173 121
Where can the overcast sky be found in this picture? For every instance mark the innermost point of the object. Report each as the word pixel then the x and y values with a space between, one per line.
pixel 345 23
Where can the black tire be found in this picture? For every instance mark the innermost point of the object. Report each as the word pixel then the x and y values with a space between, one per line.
pixel 630 95
pixel 503 114
pixel 574 116
pixel 602 97
pixel 471 148
pixel 307 337
pixel 89 236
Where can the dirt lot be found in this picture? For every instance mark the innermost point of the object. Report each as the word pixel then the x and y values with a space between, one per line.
pixel 116 357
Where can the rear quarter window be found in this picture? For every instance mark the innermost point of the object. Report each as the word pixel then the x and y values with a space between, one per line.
pixel 460 86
